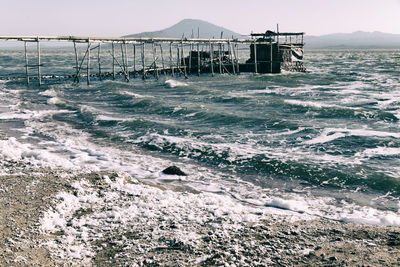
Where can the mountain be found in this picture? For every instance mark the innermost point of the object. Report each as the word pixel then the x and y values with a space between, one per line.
pixel 188 26
pixel 355 40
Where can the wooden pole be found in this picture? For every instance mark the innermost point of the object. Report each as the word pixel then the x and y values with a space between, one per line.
pixel 98 59
pixel 231 56
pixel 143 62
pixel 219 58
pixel 212 59
pixel 154 61
pixel 271 52
pixel 113 61
pixel 134 60
pixel 170 60
pixel 26 65
pixel 198 56
pixel 178 59
pixel 162 58
pixel 126 63
pixel 255 56
pixel 183 61
pixel 123 62
pixel 88 63
pixel 38 66
pixel 76 64
pixel 237 58
pixel 190 56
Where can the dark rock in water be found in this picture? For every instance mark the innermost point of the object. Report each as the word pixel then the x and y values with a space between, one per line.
pixel 173 170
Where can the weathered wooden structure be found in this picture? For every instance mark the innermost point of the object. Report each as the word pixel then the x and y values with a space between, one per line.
pixel 270 52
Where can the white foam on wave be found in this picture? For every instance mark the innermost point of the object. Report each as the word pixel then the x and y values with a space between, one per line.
pixel 55 101
pixel 173 83
pixel 49 92
pixel 135 95
pixel 330 134
pixel 317 105
pixel 379 151
pixel 12 149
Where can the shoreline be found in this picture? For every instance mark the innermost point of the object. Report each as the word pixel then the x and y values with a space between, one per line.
pixel 272 240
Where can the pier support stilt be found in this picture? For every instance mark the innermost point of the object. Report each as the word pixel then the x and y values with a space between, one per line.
pixel 170 60
pixel 162 58
pixel 143 62
pixel 231 56
pixel 237 58
pixel 134 60
pixel 98 59
pixel 198 59
pixel 38 65
pixel 88 63
pixel 26 65
pixel 113 59
pixel 183 60
pixel 212 59
pixel 76 64
pixel 155 68
pixel 126 63
pixel 255 56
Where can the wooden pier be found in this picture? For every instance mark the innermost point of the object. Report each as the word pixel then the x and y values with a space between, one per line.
pixel 269 52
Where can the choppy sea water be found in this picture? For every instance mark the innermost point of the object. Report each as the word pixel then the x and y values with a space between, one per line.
pixel 324 143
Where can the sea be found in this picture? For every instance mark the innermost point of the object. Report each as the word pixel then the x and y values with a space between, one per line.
pixel 323 143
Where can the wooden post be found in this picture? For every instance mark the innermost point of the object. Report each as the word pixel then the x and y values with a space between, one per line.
pixel 271 51
pixel 126 63
pixel 88 63
pixel 231 56
pixel 212 59
pixel 190 56
pixel 26 65
pixel 255 56
pixel 123 62
pixel 38 66
pixel 143 63
pixel 178 59
pixel 76 64
pixel 170 59
pixel 162 58
pixel 154 61
pixel 113 61
pixel 237 58
pixel 183 60
pixel 134 60
pixel 219 58
pixel 98 59
pixel 198 56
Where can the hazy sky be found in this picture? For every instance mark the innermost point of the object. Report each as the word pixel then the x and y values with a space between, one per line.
pixel 120 17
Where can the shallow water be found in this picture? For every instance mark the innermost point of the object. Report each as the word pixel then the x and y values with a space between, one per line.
pixel 325 142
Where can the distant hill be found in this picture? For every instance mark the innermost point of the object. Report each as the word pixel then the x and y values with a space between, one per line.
pixel 355 40
pixel 188 26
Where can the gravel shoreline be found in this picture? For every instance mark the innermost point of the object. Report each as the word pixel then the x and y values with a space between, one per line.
pixel 275 241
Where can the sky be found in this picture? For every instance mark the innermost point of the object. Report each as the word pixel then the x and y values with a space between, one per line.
pixel 112 18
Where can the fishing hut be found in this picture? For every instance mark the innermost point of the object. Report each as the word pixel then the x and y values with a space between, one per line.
pixel 269 52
